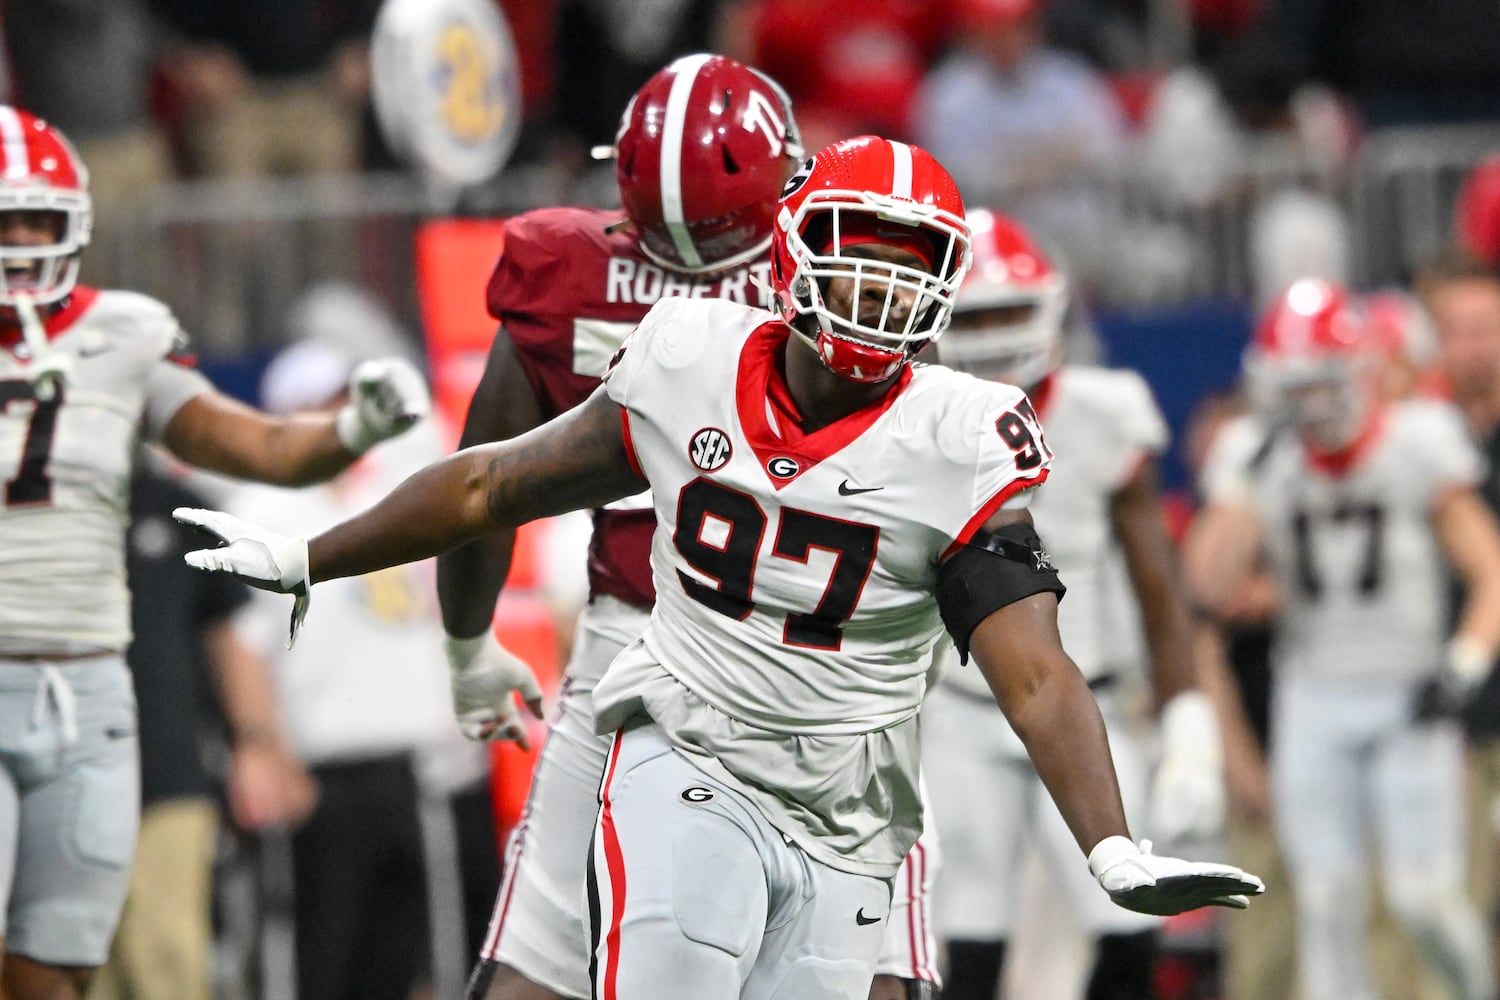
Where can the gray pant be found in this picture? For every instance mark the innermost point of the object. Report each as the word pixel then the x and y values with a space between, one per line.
pixel 69 805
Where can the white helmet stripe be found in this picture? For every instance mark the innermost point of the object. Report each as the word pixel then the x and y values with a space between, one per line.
pixel 901 170
pixel 671 155
pixel 13 139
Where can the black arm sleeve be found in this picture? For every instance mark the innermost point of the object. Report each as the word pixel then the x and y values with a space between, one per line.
pixel 994 569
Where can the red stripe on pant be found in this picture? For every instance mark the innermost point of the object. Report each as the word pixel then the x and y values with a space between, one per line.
pixel 502 898
pixel 916 913
pixel 615 861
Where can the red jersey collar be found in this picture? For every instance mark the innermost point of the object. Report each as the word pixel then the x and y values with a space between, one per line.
pixel 54 322
pixel 769 415
pixel 1338 463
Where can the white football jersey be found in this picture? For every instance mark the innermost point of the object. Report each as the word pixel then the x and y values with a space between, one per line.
pixel 1101 423
pixel 795 574
pixel 1364 591
pixel 66 465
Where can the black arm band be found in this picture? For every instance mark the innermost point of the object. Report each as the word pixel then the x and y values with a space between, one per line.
pixel 994 569
pixel 920 989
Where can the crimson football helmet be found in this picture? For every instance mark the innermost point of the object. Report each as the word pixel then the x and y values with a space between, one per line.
pixel 41 172
pixel 703 150
pixel 1008 319
pixel 1314 362
pixel 859 191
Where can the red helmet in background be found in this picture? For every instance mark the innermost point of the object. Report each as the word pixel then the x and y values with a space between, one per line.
pixel 1008 320
pixel 859 191
pixel 1477 212
pixel 41 172
pixel 1313 363
pixel 703 150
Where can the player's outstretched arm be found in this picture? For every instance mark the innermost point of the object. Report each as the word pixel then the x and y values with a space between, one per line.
pixel 576 461
pixel 1048 703
pixel 214 431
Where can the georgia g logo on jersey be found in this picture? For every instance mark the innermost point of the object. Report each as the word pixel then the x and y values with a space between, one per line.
pixel 710 449
pixel 783 467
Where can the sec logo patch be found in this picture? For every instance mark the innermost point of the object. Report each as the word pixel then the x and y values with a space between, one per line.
pixel 710 449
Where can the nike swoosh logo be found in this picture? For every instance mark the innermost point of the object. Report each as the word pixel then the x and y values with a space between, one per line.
pixel 845 490
pixel 860 918
pixel 94 349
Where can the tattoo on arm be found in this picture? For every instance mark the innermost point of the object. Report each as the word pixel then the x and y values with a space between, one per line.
pixel 574 462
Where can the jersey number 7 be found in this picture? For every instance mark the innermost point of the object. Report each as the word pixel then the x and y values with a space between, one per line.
pixel 31 484
pixel 797 534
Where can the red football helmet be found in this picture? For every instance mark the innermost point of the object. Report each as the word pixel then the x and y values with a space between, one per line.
pixel 1313 363
pixel 869 190
pixel 703 150
pixel 41 172
pixel 1477 213
pixel 1007 322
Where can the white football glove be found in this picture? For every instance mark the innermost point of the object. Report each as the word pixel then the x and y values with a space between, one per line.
pixel 1466 665
pixel 259 557
pixel 386 396
pixel 1187 792
pixel 485 676
pixel 1141 881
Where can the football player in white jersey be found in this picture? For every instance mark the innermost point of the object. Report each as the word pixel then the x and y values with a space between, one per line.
pixel 824 508
pixel 85 377
pixel 1358 502
pixel 701 155
pixel 1101 502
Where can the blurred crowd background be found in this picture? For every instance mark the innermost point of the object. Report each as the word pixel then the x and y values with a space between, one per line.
pixel 1183 160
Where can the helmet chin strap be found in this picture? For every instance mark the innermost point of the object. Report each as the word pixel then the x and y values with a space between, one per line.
pixel 49 367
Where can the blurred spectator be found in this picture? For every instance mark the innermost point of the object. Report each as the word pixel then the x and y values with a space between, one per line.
pixel 1018 123
pixel 85 65
pixel 365 695
pixel 1005 112
pixel 181 621
pixel 1245 135
pixel 267 89
pixel 850 69
pixel 1247 113
pixel 275 87
pixel 1401 63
